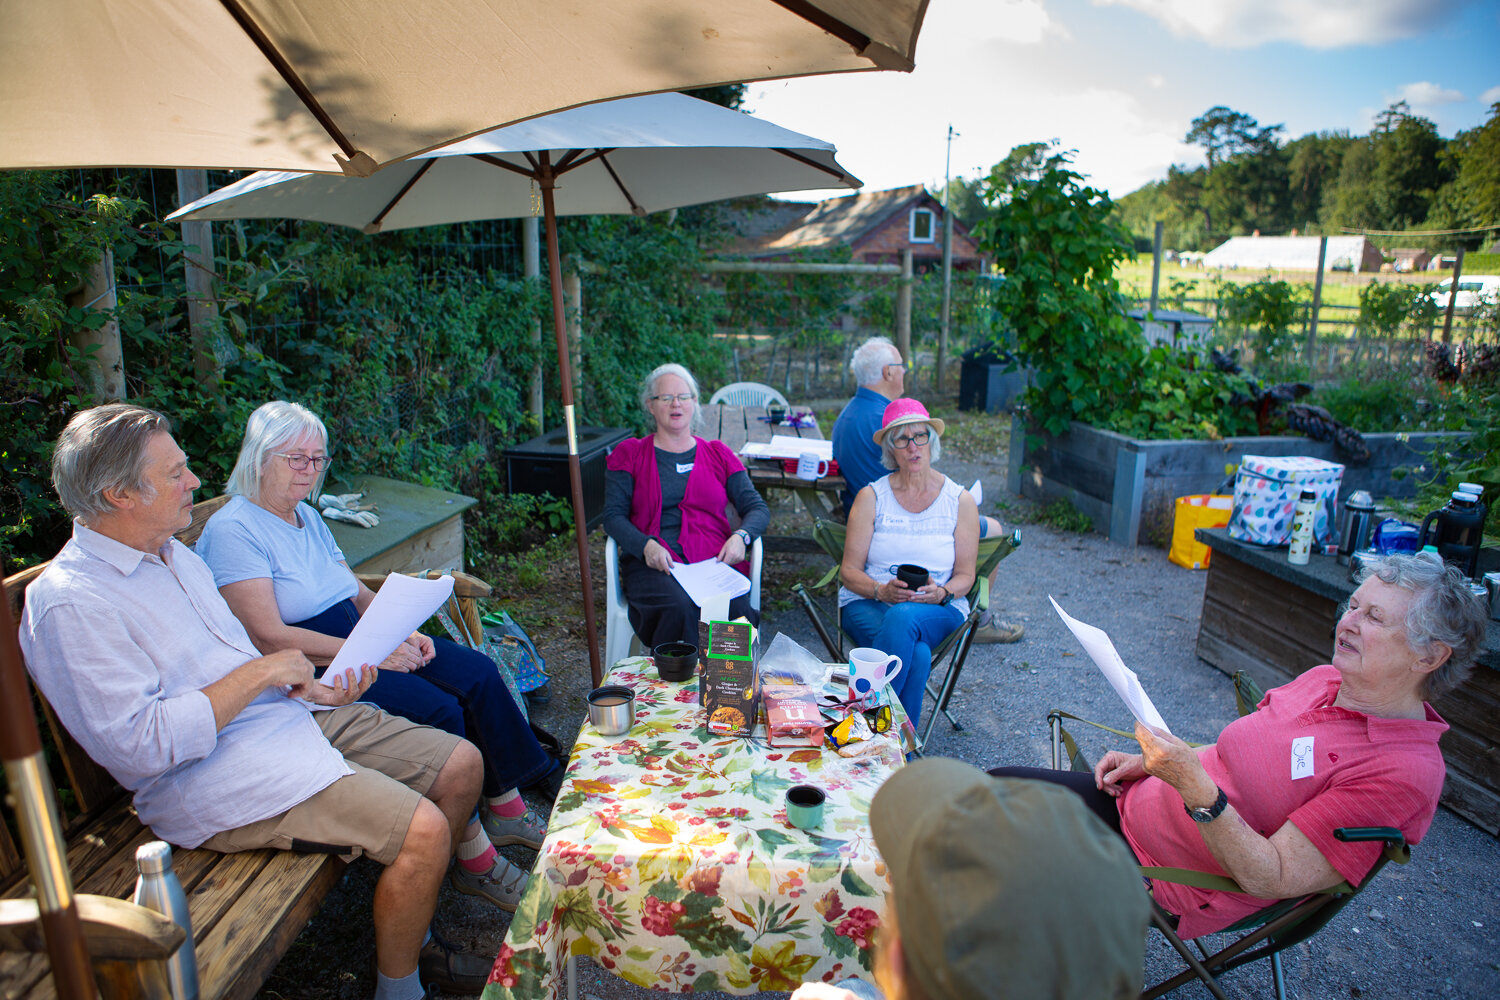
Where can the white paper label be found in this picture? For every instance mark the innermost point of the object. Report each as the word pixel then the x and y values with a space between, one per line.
pixel 1302 757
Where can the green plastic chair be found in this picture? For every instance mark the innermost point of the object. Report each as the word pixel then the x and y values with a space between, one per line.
pixel 955 646
pixel 1263 934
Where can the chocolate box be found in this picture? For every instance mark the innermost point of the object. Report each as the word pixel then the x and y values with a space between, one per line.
pixel 730 683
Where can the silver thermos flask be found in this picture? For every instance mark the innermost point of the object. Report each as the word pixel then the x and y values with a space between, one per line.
pixel 1359 525
pixel 158 889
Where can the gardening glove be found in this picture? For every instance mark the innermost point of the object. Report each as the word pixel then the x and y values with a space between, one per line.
pixel 363 518
pixel 341 501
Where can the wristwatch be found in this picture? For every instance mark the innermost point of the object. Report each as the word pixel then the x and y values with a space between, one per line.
pixel 744 537
pixel 1211 813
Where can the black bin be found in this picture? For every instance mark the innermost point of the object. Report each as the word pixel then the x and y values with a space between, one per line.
pixel 541 466
pixel 988 381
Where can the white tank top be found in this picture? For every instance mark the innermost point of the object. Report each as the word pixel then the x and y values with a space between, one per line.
pixel 924 538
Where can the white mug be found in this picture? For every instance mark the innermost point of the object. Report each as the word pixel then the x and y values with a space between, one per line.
pixel 867 671
pixel 809 466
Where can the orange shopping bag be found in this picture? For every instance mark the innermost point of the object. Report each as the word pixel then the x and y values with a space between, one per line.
pixel 1199 511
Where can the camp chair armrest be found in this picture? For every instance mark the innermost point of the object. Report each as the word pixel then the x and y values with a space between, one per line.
pixel 464 585
pixel 1360 834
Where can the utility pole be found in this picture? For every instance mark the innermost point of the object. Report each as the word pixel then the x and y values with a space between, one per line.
pixel 942 349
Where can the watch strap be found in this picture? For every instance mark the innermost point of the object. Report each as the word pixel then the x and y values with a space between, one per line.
pixel 1212 812
pixel 744 536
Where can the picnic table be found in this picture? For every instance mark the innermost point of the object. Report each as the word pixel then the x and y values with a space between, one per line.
pixel 669 860
pixel 738 426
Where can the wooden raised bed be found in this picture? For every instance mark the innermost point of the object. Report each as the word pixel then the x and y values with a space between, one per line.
pixel 1128 485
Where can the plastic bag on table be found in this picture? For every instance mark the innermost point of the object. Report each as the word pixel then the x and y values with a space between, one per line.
pixel 786 662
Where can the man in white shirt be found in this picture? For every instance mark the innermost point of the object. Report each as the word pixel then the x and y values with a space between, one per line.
pixel 128 638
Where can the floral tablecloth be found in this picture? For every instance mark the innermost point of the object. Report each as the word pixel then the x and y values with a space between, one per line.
pixel 669 860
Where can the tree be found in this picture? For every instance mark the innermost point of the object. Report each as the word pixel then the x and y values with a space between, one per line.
pixel 1408 171
pixel 1312 173
pixel 1472 198
pixel 1224 133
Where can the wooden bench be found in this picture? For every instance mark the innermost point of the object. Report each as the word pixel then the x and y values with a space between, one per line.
pixel 247 908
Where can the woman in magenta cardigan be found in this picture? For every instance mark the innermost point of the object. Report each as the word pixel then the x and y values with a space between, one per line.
pixel 665 501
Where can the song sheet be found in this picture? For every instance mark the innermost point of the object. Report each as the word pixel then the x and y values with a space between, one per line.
pixel 401 605
pixel 1127 685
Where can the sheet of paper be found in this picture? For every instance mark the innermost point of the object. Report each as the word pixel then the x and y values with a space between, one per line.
pixel 401 605
pixel 704 581
pixel 788 446
pixel 977 492
pixel 1102 651
pixel 714 608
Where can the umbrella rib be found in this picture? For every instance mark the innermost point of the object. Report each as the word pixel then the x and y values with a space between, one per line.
pixel 495 161
pixel 634 208
pixel 855 38
pixel 278 61
pixel 380 217
pixel 813 163
pixel 568 163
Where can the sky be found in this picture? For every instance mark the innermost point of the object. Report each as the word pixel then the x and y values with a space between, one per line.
pixel 1121 81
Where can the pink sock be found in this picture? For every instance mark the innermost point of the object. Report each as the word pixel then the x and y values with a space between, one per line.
pixel 508 806
pixel 477 854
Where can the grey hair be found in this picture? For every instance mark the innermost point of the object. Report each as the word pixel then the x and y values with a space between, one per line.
pixel 1442 610
pixel 648 389
pixel 104 448
pixel 870 358
pixel 888 450
pixel 272 426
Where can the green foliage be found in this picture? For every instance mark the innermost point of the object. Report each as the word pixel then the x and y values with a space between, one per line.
pixel 1377 401
pixel 1267 310
pixel 1061 515
pixel 1053 239
pixel 1385 308
pixel 1177 397
pixel 49 238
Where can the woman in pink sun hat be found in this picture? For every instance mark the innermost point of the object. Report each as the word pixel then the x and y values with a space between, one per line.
pixel 913 515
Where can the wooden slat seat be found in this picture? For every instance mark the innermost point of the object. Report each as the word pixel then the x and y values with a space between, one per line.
pixel 247 908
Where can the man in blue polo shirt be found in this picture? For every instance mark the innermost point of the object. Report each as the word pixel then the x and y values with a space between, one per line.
pixel 881 375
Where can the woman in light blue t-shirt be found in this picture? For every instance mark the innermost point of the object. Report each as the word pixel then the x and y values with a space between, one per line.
pixel 285 578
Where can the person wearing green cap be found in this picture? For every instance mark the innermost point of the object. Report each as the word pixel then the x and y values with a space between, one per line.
pixel 1000 888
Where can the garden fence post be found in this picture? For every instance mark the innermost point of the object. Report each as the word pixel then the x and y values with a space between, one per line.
pixel 903 308
pixel 1317 306
pixel 1458 272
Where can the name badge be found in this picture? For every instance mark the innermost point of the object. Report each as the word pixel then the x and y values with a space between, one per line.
pixel 1302 757
pixel 683 470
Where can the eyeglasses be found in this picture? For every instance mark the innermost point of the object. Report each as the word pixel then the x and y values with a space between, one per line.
pixel 299 463
pixel 681 397
pixel 919 439
pixel 901 365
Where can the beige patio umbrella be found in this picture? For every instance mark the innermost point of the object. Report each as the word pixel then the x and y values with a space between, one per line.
pixel 634 156
pixel 351 85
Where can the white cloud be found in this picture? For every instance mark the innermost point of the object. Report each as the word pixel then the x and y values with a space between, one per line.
pixel 1318 24
pixel 972 71
pixel 1425 94
pixel 1155 81
pixel 1489 96
pixel 1021 22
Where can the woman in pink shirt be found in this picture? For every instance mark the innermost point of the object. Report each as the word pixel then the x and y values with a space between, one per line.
pixel 1350 743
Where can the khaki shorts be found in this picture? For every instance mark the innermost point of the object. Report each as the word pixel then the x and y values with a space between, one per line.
pixel 394 761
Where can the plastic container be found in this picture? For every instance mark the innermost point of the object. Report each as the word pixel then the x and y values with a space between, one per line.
pixel 1302 529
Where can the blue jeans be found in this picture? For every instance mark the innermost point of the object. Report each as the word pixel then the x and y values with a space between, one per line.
pixel 909 630
pixel 460 692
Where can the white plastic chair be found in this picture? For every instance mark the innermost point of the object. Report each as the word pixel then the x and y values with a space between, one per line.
pixel 747 394
pixel 620 639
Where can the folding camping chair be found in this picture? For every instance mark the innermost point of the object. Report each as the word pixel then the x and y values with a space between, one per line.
pixel 955 647
pixel 1265 933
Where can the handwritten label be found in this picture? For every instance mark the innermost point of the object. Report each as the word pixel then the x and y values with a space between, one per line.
pixel 1302 757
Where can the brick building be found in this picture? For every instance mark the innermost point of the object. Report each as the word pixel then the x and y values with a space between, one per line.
pixel 876 226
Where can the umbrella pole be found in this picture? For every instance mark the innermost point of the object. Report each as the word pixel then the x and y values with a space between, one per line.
pixel 41 832
pixel 546 180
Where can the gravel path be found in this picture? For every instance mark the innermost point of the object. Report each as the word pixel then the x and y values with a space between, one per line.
pixel 1426 930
